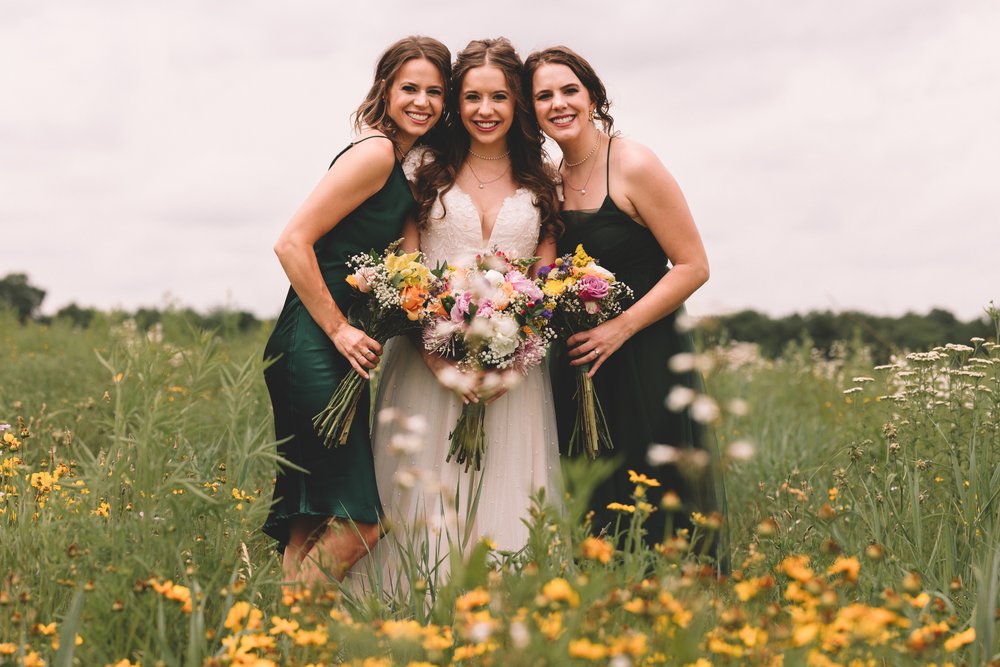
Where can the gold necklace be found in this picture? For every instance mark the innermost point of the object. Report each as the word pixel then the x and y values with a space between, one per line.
pixel 589 155
pixel 593 166
pixel 487 157
pixel 482 183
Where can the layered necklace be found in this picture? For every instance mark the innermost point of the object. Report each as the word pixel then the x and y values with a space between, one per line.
pixel 482 183
pixel 570 165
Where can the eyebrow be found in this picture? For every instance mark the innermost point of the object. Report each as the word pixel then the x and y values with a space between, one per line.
pixel 405 82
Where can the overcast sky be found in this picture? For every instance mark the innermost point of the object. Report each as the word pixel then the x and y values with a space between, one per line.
pixel 835 154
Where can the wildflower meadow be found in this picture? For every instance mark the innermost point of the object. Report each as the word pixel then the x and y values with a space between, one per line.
pixel 136 467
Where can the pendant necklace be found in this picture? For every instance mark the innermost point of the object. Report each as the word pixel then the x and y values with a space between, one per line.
pixel 593 150
pixel 482 183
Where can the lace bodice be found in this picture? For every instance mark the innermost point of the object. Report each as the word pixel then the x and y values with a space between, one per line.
pixel 458 235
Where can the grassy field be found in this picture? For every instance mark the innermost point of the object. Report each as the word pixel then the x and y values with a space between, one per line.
pixel 136 467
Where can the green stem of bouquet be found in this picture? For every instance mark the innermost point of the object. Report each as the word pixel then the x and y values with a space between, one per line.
pixel 468 439
pixel 590 429
pixel 333 424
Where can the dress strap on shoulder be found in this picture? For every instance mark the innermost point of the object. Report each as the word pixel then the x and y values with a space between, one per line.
pixel 607 168
pixel 371 136
pixel 355 143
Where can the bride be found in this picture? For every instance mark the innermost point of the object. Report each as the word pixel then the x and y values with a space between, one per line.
pixel 488 190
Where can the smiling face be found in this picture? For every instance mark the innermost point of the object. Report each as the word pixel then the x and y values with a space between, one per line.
pixel 562 103
pixel 415 99
pixel 486 106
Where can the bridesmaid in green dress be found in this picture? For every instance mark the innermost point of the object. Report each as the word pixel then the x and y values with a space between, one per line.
pixel 628 212
pixel 327 517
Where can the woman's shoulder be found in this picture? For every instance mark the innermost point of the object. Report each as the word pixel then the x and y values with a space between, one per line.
pixel 416 158
pixel 632 156
pixel 372 149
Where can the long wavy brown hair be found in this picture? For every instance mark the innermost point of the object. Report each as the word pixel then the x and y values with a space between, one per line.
pixel 374 112
pixel 529 167
pixel 563 55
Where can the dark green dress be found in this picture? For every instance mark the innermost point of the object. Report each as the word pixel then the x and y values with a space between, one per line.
pixel 633 383
pixel 339 481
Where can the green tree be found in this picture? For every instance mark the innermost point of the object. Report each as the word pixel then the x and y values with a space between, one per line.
pixel 20 296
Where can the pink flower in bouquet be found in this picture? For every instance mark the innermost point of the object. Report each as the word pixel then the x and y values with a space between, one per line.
pixel 461 307
pixel 591 288
pixel 524 285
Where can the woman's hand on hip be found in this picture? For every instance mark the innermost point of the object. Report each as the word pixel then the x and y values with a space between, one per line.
pixel 358 348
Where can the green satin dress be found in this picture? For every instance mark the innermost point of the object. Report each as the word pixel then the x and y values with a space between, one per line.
pixel 338 481
pixel 633 383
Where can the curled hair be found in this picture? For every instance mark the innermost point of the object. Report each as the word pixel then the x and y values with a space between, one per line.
pixel 524 140
pixel 563 55
pixel 373 111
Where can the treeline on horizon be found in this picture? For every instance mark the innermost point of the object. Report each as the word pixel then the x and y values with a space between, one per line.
pixel 882 335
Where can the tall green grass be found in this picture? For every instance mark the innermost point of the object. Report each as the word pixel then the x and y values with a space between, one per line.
pixel 165 455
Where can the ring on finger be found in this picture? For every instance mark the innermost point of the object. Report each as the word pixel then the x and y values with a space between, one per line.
pixel 597 352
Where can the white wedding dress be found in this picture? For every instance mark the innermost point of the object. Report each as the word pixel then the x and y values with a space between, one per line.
pixel 434 508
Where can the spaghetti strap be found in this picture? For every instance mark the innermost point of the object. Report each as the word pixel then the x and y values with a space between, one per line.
pixel 355 143
pixel 607 169
pixel 371 136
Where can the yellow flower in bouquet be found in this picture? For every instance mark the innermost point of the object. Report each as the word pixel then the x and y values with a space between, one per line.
pixel 409 269
pixel 554 287
pixel 581 258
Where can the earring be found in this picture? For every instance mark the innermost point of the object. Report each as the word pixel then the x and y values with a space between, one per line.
pixel 591 115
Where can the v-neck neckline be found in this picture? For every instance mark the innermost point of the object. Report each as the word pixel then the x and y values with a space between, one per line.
pixel 487 240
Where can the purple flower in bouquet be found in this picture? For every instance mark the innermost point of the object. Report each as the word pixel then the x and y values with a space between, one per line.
pixel 591 288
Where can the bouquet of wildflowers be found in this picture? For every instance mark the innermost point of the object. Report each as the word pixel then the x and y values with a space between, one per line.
pixel 395 293
pixel 489 317
pixel 582 294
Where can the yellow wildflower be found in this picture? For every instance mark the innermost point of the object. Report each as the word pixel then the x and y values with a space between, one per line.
pixel 465 652
pixel 559 590
pixel 315 637
pixel 477 597
pixel 961 639
pixel 550 625
pixel 280 626
pixel 619 507
pixel 849 567
pixel 42 481
pixel 636 478
pixel 747 590
pixel 795 567
pixel 405 629
pixel 437 639
pixel 103 510
pixel 8 648
pixel 45 630
pixel 587 650
pixel 594 548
